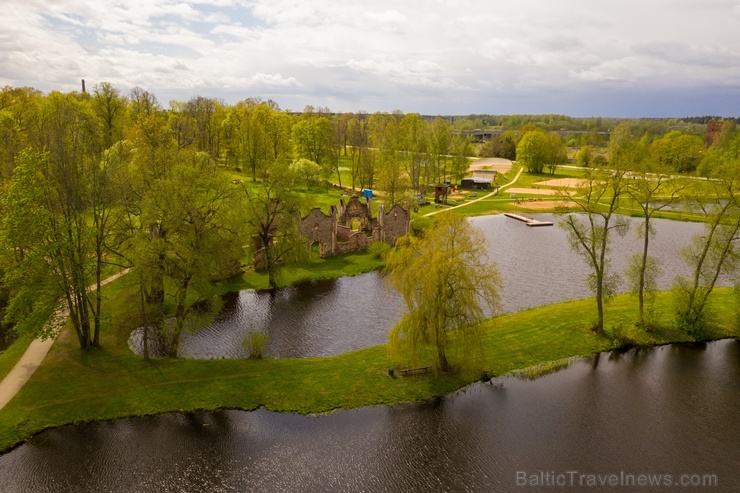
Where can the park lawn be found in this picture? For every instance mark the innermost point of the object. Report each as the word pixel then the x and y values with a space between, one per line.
pixel 316 269
pixel 73 386
pixel 13 353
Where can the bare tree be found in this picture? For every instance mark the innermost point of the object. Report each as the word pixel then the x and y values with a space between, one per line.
pixel 590 233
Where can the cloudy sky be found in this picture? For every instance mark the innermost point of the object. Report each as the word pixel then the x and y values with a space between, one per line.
pixel 622 58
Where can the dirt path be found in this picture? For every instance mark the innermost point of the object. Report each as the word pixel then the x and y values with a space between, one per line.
pixel 489 195
pixel 35 354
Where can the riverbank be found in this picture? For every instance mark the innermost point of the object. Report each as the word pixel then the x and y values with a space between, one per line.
pixel 72 386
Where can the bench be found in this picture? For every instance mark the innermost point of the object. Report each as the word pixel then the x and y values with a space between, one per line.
pixel 410 372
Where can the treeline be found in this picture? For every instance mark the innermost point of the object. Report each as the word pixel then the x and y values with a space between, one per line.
pixel 252 134
pixel 100 181
pixel 91 183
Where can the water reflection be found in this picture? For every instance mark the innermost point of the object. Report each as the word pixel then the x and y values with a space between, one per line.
pixel 332 317
pixel 662 410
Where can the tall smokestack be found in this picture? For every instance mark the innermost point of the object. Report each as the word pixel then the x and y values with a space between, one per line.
pixel 83 86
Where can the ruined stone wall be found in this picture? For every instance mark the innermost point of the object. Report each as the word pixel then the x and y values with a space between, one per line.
pixel 334 232
pixel 320 228
pixel 357 242
pixel 394 224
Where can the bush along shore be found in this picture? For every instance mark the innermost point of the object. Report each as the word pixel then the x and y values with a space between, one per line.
pixel 74 386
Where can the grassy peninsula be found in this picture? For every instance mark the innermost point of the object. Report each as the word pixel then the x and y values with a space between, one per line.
pixel 74 386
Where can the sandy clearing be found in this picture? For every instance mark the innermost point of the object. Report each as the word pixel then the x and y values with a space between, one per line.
pixel 495 163
pixel 535 191
pixel 548 204
pixel 562 182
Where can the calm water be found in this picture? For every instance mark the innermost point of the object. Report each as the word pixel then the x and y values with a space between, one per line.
pixel 333 317
pixel 669 410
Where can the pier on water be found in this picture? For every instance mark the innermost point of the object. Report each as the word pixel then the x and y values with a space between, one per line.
pixel 529 221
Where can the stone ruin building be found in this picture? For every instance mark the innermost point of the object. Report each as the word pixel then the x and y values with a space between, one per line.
pixel 351 227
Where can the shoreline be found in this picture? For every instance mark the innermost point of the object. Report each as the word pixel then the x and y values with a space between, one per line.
pixel 514 343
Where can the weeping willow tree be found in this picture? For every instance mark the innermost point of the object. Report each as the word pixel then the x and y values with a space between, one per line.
pixel 447 283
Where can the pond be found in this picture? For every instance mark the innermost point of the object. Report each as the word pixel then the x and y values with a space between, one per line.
pixel 332 317
pixel 661 414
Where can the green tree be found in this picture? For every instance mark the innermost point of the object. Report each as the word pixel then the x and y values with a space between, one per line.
pixel 679 151
pixel 272 213
pixel 460 148
pixel 713 253
pixel 652 190
pixel 362 169
pixel 447 284
pixel 500 145
pixel 248 142
pixel 313 138
pixel 19 124
pixel 385 137
pixel 440 143
pixel 200 243
pixel 110 108
pixel 556 152
pixel 307 172
pixel 412 142
pixel 590 233
pixel 585 156
pixel 54 237
pixel 533 151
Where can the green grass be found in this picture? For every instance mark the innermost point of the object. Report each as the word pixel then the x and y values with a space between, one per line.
pixel 12 354
pixel 73 386
pixel 348 264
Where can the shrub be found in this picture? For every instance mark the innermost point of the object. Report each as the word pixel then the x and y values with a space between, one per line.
pixel 420 224
pixel 379 249
pixel 256 343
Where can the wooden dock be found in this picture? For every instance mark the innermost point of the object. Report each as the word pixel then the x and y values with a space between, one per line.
pixel 529 221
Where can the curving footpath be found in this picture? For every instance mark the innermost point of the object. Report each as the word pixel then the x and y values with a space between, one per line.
pixel 480 198
pixel 36 352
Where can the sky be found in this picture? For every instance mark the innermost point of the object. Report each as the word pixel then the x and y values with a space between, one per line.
pixel 627 58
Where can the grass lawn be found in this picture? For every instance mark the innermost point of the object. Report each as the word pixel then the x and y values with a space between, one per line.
pixel 73 386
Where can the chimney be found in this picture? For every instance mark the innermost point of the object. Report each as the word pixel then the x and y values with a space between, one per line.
pixel 83 86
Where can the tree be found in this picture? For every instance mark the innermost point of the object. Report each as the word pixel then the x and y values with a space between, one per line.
pixel 385 136
pixel 556 152
pixel 110 108
pixel 712 253
pixel 313 138
pixel 589 234
pixel 272 213
pixel 585 156
pixel 248 135
pixel 142 102
pixel 533 151
pixel 412 141
pixel 19 123
pixel 460 147
pixel 307 172
pixel 440 142
pixel 681 152
pixel 202 217
pixel 447 284
pixel 653 190
pixel 361 162
pixel 54 236
pixel 500 145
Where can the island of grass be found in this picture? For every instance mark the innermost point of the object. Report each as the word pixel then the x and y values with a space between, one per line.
pixel 74 386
